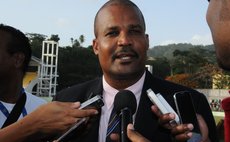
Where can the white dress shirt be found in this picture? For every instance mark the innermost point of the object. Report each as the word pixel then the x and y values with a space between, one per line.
pixel 109 94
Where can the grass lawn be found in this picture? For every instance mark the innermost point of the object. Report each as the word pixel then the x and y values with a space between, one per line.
pixel 218 116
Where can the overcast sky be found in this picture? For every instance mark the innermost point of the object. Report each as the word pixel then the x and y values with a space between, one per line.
pixel 167 21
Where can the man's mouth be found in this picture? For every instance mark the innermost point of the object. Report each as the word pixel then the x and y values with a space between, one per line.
pixel 125 56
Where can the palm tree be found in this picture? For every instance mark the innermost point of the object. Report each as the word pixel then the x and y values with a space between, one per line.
pixel 81 39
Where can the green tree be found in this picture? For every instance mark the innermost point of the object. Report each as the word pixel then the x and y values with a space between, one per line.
pixel 81 39
pixel 54 38
pixel 77 65
pixel 72 41
pixel 205 74
pixel 188 61
pixel 77 42
pixel 161 67
pixel 36 43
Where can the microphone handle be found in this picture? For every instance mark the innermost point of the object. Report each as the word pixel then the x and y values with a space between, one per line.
pixel 126 118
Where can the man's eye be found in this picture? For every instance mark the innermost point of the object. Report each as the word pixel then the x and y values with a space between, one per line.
pixel 112 33
pixel 135 31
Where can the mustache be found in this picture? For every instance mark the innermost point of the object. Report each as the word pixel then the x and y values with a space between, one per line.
pixel 125 50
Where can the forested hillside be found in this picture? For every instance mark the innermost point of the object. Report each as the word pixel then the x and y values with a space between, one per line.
pixel 190 65
pixel 167 50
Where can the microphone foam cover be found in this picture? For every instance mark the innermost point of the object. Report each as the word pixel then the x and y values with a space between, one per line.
pixel 125 99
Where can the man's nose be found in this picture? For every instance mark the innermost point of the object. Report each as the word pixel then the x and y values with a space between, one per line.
pixel 124 40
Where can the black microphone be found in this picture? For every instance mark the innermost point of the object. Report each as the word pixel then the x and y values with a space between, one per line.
pixel 125 104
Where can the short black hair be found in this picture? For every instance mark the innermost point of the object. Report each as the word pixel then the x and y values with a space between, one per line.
pixel 18 42
pixel 118 2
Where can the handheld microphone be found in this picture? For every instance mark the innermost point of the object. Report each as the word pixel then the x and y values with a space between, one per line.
pixel 125 104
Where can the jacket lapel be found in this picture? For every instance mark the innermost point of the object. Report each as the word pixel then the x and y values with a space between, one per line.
pixel 146 122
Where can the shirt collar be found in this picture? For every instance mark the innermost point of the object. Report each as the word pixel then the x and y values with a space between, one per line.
pixel 111 92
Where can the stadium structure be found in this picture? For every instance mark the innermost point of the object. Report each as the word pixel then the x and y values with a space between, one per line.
pixel 41 78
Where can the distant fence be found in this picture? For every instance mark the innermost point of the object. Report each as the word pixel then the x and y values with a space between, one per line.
pixel 215 93
pixel 214 97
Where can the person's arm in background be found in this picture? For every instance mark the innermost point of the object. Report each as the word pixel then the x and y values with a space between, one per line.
pixel 218 19
pixel 48 119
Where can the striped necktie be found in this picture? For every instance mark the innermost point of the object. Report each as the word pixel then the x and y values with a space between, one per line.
pixel 113 125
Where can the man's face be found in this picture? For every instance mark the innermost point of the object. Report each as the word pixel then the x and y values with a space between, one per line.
pixel 121 42
pixel 218 19
pixel 6 60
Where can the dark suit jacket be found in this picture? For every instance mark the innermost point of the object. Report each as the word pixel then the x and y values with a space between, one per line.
pixel 146 122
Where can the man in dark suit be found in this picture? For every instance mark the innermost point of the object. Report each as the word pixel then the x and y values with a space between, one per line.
pixel 121 45
pixel 218 19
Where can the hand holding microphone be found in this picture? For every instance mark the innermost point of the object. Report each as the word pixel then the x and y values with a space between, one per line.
pixel 134 136
pixel 95 102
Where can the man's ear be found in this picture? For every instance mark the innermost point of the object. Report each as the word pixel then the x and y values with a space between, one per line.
pixel 147 40
pixel 95 46
pixel 19 59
